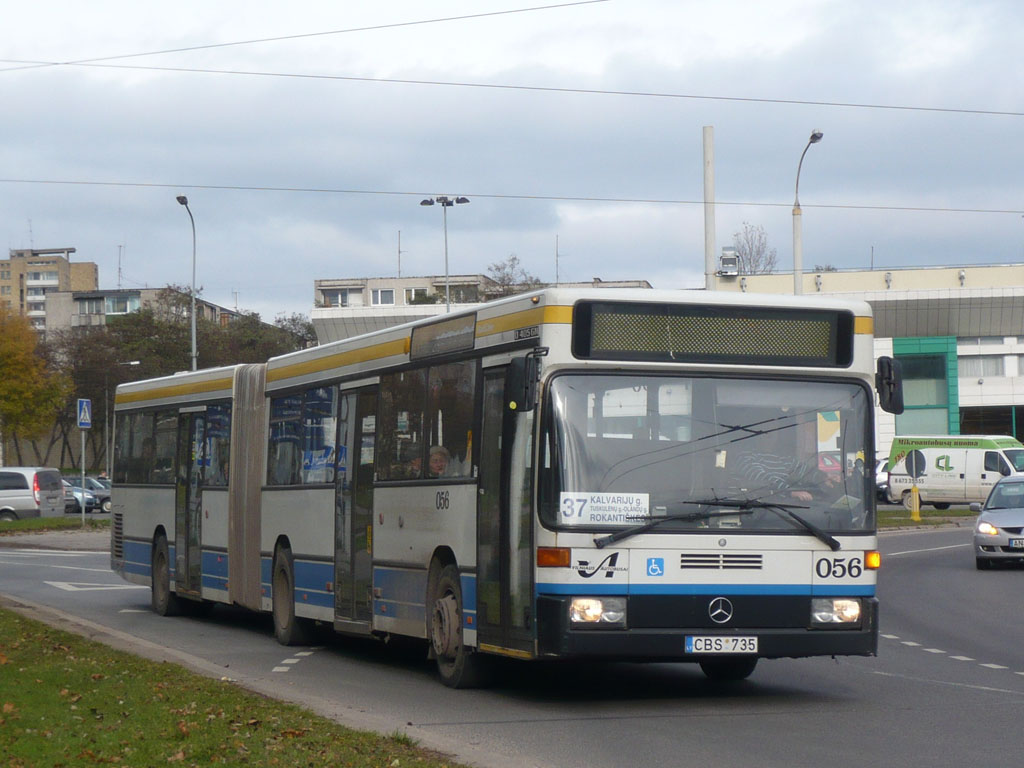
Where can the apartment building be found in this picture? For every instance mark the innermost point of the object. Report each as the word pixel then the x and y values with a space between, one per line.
pixel 348 307
pixel 28 276
pixel 91 308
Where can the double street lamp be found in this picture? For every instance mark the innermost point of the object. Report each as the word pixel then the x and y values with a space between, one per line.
pixel 445 202
pixel 798 244
pixel 184 201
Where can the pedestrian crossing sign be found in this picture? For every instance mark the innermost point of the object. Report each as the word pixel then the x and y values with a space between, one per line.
pixel 84 413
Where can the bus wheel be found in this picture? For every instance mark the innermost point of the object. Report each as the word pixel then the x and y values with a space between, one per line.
pixel 288 629
pixel 164 602
pixel 457 666
pixel 728 669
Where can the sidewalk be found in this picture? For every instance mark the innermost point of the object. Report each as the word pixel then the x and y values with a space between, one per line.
pixel 90 541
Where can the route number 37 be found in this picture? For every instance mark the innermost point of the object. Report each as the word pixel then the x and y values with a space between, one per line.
pixel 573 507
pixel 839 567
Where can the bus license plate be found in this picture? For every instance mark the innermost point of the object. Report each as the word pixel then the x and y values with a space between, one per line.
pixel 1017 543
pixel 720 644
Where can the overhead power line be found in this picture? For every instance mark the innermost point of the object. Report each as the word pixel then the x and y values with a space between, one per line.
pixel 504 196
pixel 302 36
pixel 543 89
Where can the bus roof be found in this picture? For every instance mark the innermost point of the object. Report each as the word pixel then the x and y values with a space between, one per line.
pixel 510 320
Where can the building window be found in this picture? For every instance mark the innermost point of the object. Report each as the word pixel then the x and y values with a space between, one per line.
pixel 383 296
pixel 415 295
pixel 980 365
pixel 36 307
pixel 5 290
pixel 90 306
pixel 343 297
pixel 464 294
pixel 48 275
pixel 121 305
pixel 5 274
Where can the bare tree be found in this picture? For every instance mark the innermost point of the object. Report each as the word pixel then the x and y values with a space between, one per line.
pixel 511 278
pixel 755 257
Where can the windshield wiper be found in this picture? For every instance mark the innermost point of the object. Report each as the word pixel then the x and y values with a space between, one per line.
pixel 603 541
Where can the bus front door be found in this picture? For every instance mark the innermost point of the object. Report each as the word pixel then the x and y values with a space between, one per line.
pixel 504 546
pixel 188 503
pixel 353 508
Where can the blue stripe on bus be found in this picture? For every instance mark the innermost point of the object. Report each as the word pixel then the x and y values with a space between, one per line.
pixel 468 583
pixel 706 589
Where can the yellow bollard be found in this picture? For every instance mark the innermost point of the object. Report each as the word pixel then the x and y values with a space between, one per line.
pixel 915 504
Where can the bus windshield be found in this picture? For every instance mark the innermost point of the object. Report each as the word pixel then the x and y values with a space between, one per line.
pixel 620 450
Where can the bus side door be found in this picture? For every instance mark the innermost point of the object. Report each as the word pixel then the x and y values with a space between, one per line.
pixel 504 535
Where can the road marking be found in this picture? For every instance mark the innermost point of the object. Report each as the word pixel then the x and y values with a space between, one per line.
pixel 281 669
pixel 929 549
pixel 986 665
pixel 80 568
pixel 80 586
pixel 132 610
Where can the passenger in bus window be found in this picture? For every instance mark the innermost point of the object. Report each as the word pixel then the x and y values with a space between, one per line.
pixel 438 463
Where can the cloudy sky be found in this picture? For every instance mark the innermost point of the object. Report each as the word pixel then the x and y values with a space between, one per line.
pixel 305 135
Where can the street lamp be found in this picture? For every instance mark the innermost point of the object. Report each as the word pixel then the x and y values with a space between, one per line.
pixel 798 244
pixel 184 201
pixel 445 202
pixel 107 437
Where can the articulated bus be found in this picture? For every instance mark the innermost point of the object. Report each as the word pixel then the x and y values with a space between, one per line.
pixel 565 474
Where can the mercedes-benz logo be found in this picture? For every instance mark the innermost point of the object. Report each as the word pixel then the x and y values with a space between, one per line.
pixel 720 610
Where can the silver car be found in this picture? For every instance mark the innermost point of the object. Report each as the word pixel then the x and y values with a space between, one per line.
pixel 999 530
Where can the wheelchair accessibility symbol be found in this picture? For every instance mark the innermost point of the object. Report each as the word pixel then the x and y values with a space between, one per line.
pixel 655 566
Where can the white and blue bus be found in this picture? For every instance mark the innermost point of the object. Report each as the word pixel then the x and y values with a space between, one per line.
pixel 564 474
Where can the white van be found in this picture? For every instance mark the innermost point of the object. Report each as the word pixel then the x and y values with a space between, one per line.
pixel 30 492
pixel 951 469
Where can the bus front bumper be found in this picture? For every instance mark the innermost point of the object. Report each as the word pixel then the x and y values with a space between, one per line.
pixel 556 637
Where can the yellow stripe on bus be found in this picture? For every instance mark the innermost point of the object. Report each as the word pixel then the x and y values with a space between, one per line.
pixel 863 325
pixel 524 319
pixel 340 359
pixel 174 390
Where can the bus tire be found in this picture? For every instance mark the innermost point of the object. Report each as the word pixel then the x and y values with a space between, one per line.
pixel 288 628
pixel 725 670
pixel 164 602
pixel 457 666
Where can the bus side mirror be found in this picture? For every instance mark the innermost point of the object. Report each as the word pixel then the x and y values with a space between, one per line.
pixel 889 383
pixel 521 381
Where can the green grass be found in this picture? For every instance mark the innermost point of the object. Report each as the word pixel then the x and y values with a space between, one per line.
pixel 68 702
pixel 35 524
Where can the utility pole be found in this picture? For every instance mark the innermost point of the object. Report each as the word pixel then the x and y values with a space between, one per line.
pixel 400 252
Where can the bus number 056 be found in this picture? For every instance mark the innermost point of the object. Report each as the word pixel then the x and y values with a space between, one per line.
pixel 839 567
pixel 441 500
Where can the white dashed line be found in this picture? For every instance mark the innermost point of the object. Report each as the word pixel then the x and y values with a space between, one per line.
pixel 286 664
pixel 281 669
pixel 939 651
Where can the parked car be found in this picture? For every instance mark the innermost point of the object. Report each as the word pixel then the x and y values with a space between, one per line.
pixel 30 492
pixel 100 491
pixel 74 497
pixel 882 480
pixel 999 530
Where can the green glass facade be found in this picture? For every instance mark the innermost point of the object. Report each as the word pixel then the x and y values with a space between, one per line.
pixel 930 386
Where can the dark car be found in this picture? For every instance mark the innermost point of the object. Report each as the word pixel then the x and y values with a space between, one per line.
pixel 97 488
pixel 999 530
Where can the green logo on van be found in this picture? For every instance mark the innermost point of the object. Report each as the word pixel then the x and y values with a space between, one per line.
pixel 942 464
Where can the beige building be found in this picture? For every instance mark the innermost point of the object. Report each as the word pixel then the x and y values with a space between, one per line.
pixel 91 308
pixel 353 306
pixel 28 276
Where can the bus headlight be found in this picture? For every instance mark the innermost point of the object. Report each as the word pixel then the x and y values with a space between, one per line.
pixel 827 611
pixel 601 612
